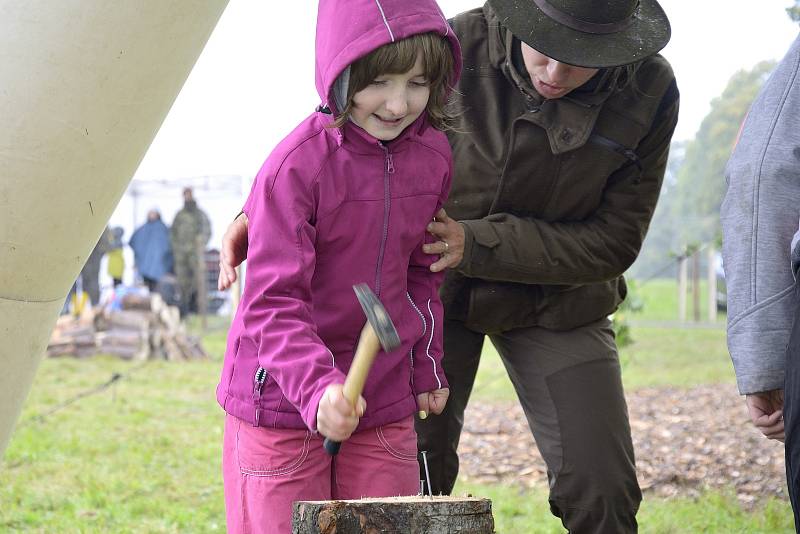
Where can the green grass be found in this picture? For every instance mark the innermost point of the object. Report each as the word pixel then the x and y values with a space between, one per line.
pixel 140 456
pixel 144 454
pixel 527 511
pixel 657 357
pixel 679 358
pixel 660 301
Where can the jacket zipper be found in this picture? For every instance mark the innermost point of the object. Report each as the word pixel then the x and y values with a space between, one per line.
pixel 424 331
pixel 388 170
pixel 258 385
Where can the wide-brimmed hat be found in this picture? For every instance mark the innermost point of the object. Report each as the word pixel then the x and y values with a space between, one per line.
pixel 587 33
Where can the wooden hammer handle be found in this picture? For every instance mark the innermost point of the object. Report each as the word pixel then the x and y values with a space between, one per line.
pixel 367 349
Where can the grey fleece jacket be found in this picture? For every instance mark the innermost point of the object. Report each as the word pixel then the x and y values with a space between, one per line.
pixel 759 219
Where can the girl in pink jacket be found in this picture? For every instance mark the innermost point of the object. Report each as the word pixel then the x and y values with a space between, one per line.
pixel 345 198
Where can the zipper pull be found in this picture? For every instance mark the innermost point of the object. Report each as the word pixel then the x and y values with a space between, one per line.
pixel 258 382
pixel 389 163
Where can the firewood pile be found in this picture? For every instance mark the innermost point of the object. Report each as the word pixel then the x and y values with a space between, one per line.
pixel 145 328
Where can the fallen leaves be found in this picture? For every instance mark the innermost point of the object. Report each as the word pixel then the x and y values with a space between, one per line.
pixel 685 440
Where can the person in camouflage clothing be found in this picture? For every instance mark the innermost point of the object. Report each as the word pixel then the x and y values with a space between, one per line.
pixel 189 234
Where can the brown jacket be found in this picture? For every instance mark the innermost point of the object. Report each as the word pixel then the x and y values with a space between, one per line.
pixel 555 196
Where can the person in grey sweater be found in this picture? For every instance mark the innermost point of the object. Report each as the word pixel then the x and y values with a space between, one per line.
pixel 760 216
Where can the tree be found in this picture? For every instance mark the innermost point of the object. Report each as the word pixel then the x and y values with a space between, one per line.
pixel 794 11
pixel 700 181
pixel 655 259
pixel 687 214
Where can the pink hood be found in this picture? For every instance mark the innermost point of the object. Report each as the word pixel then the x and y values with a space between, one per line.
pixel 350 29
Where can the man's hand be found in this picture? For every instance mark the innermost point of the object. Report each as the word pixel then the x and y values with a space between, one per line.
pixel 234 251
pixel 336 417
pixel 766 412
pixel 432 401
pixel 450 246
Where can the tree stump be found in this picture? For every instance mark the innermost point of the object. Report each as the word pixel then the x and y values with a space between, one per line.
pixel 417 515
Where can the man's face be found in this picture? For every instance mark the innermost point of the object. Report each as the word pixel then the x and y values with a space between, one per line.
pixel 187 195
pixel 553 79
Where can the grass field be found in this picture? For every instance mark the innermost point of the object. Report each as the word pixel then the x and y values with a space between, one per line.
pixel 142 455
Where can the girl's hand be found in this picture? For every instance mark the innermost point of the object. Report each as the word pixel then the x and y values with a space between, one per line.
pixel 432 401
pixel 336 417
pixel 450 246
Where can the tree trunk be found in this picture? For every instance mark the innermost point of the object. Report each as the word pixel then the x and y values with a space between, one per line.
pixel 420 515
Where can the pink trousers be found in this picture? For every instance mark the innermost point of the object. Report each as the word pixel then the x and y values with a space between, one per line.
pixel 265 470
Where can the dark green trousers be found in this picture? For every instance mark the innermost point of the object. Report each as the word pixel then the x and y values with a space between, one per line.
pixel 570 388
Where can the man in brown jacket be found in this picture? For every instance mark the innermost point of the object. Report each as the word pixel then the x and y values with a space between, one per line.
pixel 561 146
pixel 559 154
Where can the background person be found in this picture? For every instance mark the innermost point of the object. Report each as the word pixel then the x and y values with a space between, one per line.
pixel 90 274
pixel 760 215
pixel 115 258
pixel 152 250
pixel 189 233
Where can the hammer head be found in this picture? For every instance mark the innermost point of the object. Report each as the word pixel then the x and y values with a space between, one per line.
pixel 377 317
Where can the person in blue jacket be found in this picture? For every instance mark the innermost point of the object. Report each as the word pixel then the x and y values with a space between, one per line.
pixel 152 251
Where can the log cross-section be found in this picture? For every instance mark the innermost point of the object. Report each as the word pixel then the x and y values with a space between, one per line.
pixel 406 515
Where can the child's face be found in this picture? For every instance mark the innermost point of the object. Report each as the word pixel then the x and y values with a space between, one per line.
pixel 391 102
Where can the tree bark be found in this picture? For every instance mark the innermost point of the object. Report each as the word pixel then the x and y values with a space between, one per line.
pixel 418 515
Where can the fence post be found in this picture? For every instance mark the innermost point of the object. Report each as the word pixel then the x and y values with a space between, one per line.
pixel 683 267
pixel 696 286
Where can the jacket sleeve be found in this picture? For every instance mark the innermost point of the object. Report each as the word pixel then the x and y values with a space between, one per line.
pixel 423 292
pixel 510 248
pixel 759 217
pixel 278 281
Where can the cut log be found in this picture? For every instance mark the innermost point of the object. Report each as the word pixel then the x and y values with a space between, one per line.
pixel 151 330
pixel 133 301
pixel 420 515
pixel 133 319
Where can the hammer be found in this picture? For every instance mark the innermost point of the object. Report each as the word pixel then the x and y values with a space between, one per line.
pixel 379 331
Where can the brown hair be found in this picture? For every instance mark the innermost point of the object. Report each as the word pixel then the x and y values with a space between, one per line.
pixel 399 57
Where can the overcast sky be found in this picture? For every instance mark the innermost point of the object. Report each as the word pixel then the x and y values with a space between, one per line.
pixel 255 79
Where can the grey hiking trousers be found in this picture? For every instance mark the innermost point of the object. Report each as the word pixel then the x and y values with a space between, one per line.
pixel 570 388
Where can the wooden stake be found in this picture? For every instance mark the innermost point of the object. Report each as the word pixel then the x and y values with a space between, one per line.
pixel 696 285
pixel 683 267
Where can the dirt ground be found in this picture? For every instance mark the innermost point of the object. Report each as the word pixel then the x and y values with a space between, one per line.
pixel 685 441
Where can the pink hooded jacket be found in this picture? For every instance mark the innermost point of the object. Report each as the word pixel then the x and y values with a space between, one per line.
pixel 330 208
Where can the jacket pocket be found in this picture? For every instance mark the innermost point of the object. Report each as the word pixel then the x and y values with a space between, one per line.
pixel 245 364
pixel 399 439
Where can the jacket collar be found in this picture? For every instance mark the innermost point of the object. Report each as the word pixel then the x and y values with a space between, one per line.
pixel 569 120
pixel 355 139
